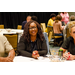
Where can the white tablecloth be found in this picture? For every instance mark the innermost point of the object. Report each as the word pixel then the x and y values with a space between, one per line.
pixel 40 59
pixel 27 59
pixel 12 31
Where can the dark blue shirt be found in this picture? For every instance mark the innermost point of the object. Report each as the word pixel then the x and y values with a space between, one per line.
pixel 23 23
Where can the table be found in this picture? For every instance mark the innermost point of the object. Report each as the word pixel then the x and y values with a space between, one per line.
pixel 27 59
pixel 12 31
pixel 40 59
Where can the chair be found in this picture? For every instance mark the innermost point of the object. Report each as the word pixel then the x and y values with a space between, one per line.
pixel 19 27
pixel 67 33
pixel 1 26
pixel 13 40
pixel 55 38
pixel 43 26
pixel 51 35
pixel 49 30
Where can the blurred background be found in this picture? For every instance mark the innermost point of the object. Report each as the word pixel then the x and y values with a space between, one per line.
pixel 12 19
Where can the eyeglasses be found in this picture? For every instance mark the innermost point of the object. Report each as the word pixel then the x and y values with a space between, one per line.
pixel 32 28
pixel 74 32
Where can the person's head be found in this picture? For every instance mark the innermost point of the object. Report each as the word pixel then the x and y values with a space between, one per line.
pixel 32 28
pixel 34 18
pixel 52 16
pixel 72 18
pixel 64 12
pixel 58 18
pixel 72 29
pixel 28 18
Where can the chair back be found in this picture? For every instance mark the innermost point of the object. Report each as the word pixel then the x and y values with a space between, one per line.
pixel 43 26
pixel 13 40
pixel 67 33
pixel 49 31
pixel 1 26
pixel 19 27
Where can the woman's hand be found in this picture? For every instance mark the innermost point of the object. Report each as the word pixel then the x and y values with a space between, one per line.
pixel 69 56
pixel 35 54
pixel 6 59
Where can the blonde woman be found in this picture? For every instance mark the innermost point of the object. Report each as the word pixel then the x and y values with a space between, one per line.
pixel 69 43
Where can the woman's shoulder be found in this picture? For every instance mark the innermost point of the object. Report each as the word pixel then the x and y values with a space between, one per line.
pixel 38 39
pixel 22 38
pixel 69 38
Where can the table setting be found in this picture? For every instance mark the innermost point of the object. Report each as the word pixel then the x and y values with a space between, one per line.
pixel 12 31
pixel 47 58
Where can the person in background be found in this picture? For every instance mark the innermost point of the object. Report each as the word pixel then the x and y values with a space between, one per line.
pixel 27 20
pixel 57 26
pixel 69 43
pixel 51 20
pixel 72 18
pixel 65 17
pixel 32 43
pixel 7 52
pixel 50 23
pixel 34 18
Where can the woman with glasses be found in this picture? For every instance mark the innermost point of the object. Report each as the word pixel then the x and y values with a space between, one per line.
pixel 32 43
pixel 69 43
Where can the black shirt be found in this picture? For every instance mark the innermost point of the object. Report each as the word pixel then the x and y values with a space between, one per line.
pixel 33 45
pixel 69 45
pixel 23 23
pixel 24 48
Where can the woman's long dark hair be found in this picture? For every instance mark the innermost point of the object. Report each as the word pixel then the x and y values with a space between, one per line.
pixel 26 34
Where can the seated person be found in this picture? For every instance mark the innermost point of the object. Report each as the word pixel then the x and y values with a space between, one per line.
pixel 44 33
pixel 57 26
pixel 72 18
pixel 69 43
pixel 32 43
pixel 34 18
pixel 27 20
pixel 7 52
pixel 51 20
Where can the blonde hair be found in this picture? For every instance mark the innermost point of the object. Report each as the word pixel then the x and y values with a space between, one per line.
pixel 71 25
pixel 72 18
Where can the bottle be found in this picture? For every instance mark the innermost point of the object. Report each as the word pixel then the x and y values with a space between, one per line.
pixel 60 53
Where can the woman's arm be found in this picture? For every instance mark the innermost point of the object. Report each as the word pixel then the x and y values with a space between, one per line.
pixel 9 58
pixel 61 27
pixel 11 54
pixel 44 50
pixel 21 48
pixel 63 16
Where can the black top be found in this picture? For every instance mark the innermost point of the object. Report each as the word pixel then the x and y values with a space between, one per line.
pixel 33 45
pixel 23 23
pixel 69 45
pixel 25 48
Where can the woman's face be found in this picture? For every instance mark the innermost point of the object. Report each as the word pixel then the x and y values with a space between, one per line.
pixel 73 32
pixel 33 29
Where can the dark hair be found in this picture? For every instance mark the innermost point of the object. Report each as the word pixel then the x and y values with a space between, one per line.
pixel 52 15
pixel 34 18
pixel 58 18
pixel 62 12
pixel 26 31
